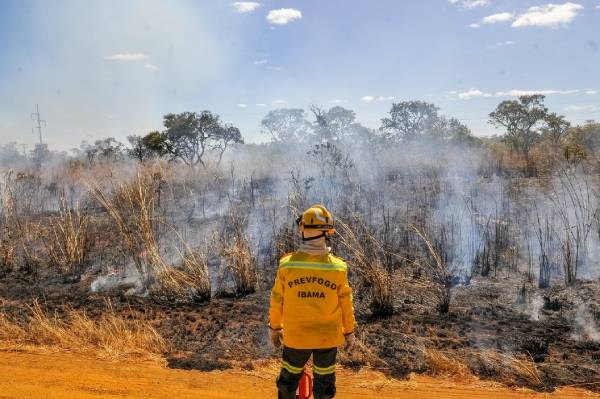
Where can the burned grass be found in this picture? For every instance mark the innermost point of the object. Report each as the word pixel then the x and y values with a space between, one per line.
pixel 451 274
pixel 484 334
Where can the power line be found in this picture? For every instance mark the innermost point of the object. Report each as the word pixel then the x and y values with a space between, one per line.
pixel 35 116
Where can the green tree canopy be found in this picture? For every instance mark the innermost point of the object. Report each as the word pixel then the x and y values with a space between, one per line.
pixel 409 119
pixel 286 125
pixel 523 120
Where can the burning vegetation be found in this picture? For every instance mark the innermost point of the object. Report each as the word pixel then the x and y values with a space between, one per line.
pixel 467 255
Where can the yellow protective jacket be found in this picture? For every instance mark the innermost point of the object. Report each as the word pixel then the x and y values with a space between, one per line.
pixel 312 301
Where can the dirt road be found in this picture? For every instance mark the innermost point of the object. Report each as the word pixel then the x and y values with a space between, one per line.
pixel 52 376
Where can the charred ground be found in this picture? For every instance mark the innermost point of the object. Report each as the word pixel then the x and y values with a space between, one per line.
pixel 484 333
pixel 466 256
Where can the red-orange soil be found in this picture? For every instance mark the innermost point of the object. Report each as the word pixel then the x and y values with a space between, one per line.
pixel 60 375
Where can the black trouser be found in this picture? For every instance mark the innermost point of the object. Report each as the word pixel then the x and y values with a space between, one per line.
pixel 323 372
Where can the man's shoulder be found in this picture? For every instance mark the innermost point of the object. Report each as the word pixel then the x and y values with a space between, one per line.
pixel 286 257
pixel 338 260
pixel 301 259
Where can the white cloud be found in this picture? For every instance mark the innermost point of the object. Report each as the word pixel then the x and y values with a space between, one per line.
pixel 261 62
pixel 279 102
pixel 474 26
pixel 242 105
pixel 261 105
pixel 582 108
pixel 549 15
pixel 152 67
pixel 244 7
pixel 338 101
pixel 591 92
pixel 127 57
pixel 469 94
pixel 470 3
pixel 500 17
pixel 283 16
pixel 518 93
pixel 367 99
pixel 370 99
pixel 274 68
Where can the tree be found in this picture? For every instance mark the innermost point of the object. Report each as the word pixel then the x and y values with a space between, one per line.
pixel 582 141
pixel 556 128
pixel 409 119
pixel 330 159
pixel 444 128
pixel 225 137
pixel 157 143
pixel 108 149
pixel 190 134
pixel 335 124
pixel 152 145
pixel 188 137
pixel 522 120
pixel 459 133
pixel 138 150
pixel 285 125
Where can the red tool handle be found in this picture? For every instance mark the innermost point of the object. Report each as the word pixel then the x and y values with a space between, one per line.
pixel 305 387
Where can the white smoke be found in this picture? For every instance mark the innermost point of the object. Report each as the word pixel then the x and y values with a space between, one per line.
pixel 585 328
pixel 129 281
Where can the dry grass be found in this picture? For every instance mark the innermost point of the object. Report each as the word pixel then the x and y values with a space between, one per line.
pixel 507 368
pixel 365 252
pixel 441 274
pixel 69 239
pixel 7 252
pixel 11 332
pixel 445 364
pixel 238 261
pixel 362 355
pixel 132 207
pixel 19 233
pixel 189 283
pixel 111 336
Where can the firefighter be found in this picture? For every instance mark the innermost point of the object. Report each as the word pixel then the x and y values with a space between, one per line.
pixel 311 307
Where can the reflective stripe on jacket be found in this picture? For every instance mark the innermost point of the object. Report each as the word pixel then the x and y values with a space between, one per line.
pixel 312 301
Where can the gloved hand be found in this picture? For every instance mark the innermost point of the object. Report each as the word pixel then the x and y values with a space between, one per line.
pixel 276 337
pixel 350 341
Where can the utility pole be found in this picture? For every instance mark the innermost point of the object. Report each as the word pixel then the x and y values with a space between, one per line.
pixel 35 116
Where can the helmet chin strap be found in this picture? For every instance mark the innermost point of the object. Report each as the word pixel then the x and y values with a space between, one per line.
pixel 324 234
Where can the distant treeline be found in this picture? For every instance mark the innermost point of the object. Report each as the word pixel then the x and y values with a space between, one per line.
pixel 533 139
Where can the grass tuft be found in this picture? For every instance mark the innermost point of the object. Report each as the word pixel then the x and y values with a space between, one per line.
pixel 112 336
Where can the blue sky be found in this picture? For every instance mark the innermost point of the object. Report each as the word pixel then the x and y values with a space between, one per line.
pixel 113 68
